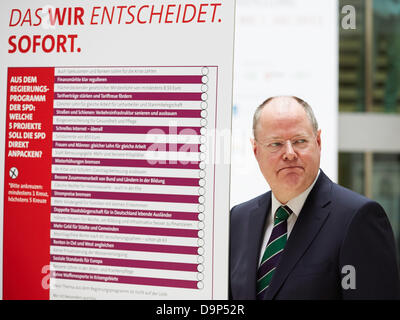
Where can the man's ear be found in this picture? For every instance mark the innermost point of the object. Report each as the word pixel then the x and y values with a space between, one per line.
pixel 319 138
pixel 254 145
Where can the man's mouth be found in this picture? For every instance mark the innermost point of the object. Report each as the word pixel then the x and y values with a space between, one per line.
pixel 290 168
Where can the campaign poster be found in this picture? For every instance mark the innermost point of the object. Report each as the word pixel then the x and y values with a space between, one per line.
pixel 116 144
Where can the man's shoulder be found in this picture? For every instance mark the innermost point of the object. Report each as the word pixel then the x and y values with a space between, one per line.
pixel 251 204
pixel 349 206
pixel 349 198
pixel 242 213
pixel 339 195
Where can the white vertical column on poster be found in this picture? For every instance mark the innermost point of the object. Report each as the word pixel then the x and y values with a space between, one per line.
pixel 283 48
pixel 117 38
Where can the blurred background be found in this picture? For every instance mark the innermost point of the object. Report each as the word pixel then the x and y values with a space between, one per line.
pixel 369 83
pixel 343 58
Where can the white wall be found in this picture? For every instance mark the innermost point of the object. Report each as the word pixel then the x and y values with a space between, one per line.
pixel 285 47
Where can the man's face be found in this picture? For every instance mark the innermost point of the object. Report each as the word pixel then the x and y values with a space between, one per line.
pixel 286 148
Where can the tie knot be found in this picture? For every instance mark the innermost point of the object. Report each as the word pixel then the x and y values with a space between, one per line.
pixel 282 213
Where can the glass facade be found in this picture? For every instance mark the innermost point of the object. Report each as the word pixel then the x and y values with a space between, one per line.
pixel 352 171
pixel 386 187
pixel 351 64
pixel 369 75
pixel 382 184
pixel 369 83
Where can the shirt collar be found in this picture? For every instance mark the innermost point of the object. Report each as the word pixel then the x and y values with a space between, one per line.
pixel 296 204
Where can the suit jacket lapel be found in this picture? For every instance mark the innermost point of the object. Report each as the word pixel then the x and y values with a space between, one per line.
pixel 255 235
pixel 311 218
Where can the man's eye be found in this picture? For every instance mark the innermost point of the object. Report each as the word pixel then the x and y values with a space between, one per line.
pixel 275 144
pixel 300 141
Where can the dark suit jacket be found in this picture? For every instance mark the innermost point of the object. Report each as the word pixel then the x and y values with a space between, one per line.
pixel 335 228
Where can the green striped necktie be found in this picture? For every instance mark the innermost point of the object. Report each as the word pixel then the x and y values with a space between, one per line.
pixel 273 251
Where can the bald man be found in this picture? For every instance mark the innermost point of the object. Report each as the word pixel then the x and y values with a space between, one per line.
pixel 307 238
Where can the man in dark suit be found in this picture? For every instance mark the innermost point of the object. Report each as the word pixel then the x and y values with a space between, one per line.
pixel 307 238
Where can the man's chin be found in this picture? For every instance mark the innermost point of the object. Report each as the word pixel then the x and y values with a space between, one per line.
pixel 292 181
pixel 288 189
pixel 292 175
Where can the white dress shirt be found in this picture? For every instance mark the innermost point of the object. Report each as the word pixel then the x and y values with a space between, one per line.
pixel 295 204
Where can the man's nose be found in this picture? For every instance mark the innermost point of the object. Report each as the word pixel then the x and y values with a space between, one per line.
pixel 289 153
